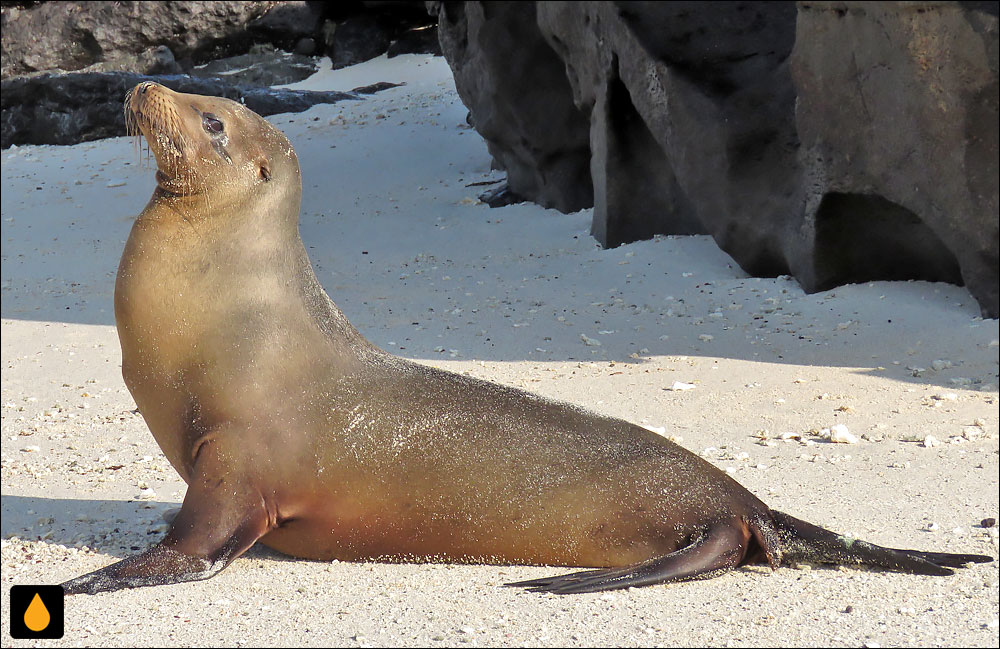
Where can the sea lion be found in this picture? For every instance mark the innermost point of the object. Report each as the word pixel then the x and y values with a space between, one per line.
pixel 290 428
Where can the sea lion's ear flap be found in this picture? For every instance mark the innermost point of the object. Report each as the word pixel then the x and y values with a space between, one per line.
pixel 264 169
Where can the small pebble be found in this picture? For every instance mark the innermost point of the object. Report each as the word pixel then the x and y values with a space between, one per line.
pixel 971 432
pixel 840 435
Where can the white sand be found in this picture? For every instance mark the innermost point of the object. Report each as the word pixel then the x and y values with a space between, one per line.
pixel 510 295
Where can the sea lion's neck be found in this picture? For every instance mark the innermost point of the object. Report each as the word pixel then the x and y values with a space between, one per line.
pixel 223 268
pixel 217 216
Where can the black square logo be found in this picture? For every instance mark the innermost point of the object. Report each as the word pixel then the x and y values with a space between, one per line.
pixel 36 612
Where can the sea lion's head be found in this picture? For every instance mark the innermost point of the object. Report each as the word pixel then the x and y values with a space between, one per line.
pixel 209 145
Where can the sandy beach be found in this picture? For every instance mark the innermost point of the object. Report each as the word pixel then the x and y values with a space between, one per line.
pixel 668 333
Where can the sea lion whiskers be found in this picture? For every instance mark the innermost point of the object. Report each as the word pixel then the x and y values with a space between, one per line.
pixel 131 127
pixel 133 131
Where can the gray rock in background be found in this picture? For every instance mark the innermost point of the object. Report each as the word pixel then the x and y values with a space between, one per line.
pixel 680 93
pixel 287 24
pixel 262 66
pixel 66 65
pixel 173 37
pixel 73 36
pixel 356 39
pixel 516 88
pixel 76 107
pixel 897 115
pixel 838 142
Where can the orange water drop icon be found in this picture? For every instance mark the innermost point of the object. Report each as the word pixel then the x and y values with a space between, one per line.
pixel 37 617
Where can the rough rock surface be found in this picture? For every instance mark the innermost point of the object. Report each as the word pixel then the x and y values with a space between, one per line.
pixel 898 121
pixel 676 103
pixel 173 37
pixel 516 88
pixel 73 36
pixel 355 39
pixel 286 24
pixel 76 107
pixel 262 66
pixel 421 39
pixel 352 36
pixel 55 55
pixel 838 142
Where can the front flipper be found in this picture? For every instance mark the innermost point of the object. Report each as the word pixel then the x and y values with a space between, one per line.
pixel 222 516
pixel 719 548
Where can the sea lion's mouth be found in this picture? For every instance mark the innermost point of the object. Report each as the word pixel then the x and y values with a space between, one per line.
pixel 177 185
pixel 164 181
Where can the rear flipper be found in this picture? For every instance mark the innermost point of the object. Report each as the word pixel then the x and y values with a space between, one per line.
pixel 220 519
pixel 802 541
pixel 781 538
pixel 719 548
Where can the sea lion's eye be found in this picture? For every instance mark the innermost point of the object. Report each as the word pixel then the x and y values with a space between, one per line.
pixel 212 123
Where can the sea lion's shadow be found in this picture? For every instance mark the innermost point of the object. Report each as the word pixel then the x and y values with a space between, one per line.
pixel 71 522
pixel 82 522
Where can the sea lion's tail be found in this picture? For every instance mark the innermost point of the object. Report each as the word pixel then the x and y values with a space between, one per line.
pixel 800 541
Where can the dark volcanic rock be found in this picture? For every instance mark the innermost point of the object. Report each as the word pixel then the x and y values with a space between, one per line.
pixel 898 117
pixel 353 36
pixel 71 108
pixel 45 105
pixel 355 40
pixel 501 196
pixel 156 60
pixel 515 86
pixel 379 86
pixel 172 37
pixel 836 141
pixel 419 40
pixel 75 35
pixel 678 92
pixel 305 46
pixel 285 24
pixel 263 66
